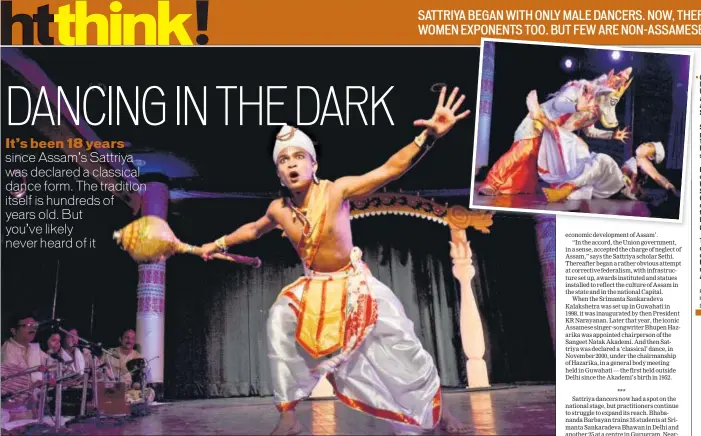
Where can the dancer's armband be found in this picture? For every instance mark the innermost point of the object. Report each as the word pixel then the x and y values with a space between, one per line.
pixel 422 138
pixel 221 244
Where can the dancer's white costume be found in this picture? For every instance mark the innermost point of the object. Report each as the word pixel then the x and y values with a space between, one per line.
pixel 565 158
pixel 349 325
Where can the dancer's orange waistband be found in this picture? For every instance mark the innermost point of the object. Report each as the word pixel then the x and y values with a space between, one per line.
pixel 321 308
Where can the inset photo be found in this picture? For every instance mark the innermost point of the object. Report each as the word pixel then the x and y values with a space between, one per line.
pixel 578 129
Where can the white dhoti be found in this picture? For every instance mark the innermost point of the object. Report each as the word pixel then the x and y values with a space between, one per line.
pixel 565 158
pixel 385 372
pixel 600 178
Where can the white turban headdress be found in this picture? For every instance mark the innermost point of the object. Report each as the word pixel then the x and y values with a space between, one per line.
pixel 659 152
pixel 290 136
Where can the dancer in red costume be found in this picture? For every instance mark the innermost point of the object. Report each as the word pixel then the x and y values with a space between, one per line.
pixel 576 106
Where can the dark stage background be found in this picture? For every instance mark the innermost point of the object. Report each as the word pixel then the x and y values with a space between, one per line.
pixel 654 106
pixel 215 312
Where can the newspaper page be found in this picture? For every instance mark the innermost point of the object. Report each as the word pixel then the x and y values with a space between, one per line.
pixel 350 218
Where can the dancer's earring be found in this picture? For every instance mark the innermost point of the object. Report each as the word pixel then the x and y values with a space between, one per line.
pixel 316 179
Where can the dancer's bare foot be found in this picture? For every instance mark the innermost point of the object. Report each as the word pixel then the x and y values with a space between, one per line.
pixel 288 424
pixel 450 424
pixel 486 190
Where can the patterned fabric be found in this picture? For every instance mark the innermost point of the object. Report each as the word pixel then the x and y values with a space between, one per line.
pixel 517 171
pixel 382 368
pixel 25 357
pixel 17 358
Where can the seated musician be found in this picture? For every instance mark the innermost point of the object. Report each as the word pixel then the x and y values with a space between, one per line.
pixel 71 351
pixel 70 378
pixel 118 369
pixel 55 355
pixel 51 345
pixel 19 353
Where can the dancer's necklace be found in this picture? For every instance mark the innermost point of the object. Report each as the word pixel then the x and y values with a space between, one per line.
pixel 302 215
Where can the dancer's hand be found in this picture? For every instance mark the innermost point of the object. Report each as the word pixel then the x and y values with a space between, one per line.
pixel 673 189
pixel 207 250
pixel 627 181
pixel 444 117
pixel 621 135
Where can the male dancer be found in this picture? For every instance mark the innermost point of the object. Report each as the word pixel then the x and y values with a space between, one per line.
pixel 639 167
pixel 338 320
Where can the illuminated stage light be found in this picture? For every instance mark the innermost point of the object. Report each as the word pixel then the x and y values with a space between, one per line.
pixel 568 64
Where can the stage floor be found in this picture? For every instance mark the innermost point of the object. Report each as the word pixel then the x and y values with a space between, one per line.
pixel 606 206
pixel 514 411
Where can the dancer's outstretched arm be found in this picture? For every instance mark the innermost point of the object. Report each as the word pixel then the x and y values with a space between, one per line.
pixel 651 171
pixel 618 134
pixel 246 233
